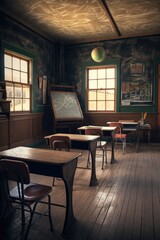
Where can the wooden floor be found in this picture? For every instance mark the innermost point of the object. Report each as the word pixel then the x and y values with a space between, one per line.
pixel 124 206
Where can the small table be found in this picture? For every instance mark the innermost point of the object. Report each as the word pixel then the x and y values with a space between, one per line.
pixel 108 131
pixel 85 142
pixel 131 126
pixel 49 163
pixel 144 128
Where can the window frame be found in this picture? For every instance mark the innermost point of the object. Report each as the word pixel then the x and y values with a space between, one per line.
pixel 13 48
pixel 106 62
pixel 104 89
pixel 14 83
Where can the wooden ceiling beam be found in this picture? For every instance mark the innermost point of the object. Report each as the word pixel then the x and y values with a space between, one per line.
pixel 109 15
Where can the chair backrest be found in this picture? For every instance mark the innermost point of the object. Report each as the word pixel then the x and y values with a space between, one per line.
pixel 94 131
pixel 60 142
pixel 126 121
pixel 118 125
pixel 15 170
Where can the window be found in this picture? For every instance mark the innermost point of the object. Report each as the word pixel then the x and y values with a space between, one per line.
pixel 101 82
pixel 17 75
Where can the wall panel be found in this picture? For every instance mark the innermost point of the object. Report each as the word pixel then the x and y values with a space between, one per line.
pixel 24 130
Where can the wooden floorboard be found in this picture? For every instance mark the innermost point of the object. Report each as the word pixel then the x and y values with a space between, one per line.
pixel 125 205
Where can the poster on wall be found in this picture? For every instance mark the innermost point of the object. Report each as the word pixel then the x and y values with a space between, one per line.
pixel 136 92
pixel 141 92
pixel 125 93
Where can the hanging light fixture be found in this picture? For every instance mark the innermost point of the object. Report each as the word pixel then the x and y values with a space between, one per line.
pixel 98 54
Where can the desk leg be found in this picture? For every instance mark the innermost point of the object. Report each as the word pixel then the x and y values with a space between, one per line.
pixel 112 147
pixel 68 178
pixel 138 139
pixel 92 149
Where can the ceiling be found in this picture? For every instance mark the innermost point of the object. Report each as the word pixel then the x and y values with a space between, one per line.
pixel 78 21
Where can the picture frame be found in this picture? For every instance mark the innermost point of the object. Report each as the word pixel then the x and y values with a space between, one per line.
pixel 137 69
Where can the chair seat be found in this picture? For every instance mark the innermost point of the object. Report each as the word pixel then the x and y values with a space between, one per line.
pixel 32 192
pixel 120 136
pixel 101 144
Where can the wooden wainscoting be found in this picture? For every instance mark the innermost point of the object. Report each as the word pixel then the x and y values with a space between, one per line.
pixel 24 129
pixel 4 134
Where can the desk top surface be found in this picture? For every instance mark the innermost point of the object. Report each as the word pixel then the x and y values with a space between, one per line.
pixel 40 155
pixel 131 123
pixel 75 137
pixel 103 128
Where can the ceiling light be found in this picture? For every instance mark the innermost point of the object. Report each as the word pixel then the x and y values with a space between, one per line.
pixel 98 54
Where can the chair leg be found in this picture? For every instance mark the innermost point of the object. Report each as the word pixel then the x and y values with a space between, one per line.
pixel 124 146
pixel 49 212
pixel 53 181
pixel 23 215
pixel 106 153
pixel 103 150
pixel 30 221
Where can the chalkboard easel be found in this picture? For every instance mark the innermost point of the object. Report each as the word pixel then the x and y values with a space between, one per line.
pixel 66 109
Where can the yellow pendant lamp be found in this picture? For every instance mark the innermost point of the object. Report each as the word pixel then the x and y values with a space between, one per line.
pixel 98 54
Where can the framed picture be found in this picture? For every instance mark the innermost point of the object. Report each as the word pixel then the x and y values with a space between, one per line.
pixel 137 69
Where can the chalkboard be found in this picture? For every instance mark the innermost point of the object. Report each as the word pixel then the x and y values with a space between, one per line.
pixel 66 106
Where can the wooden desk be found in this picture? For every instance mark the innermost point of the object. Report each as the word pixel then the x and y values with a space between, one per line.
pixel 50 163
pixel 85 142
pixel 107 131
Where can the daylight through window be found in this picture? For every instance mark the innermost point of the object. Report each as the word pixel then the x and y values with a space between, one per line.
pixel 101 83
pixel 17 78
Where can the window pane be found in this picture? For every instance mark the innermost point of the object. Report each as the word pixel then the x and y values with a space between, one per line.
pixel 111 83
pixel 111 73
pixel 7 61
pixel 92 105
pixel 24 66
pixel 26 92
pixel 101 106
pixel 110 105
pixel 110 95
pixel 26 104
pixel 92 84
pixel 92 74
pixel 101 73
pixel 8 74
pixel 18 104
pixel 92 95
pixel 16 63
pixel 18 92
pixel 100 95
pixel 11 104
pixel 16 76
pixel 9 89
pixel 101 83
pixel 24 77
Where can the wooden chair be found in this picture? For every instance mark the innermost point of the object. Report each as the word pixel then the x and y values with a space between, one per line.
pixel 60 143
pixel 25 195
pixel 119 135
pixel 100 144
